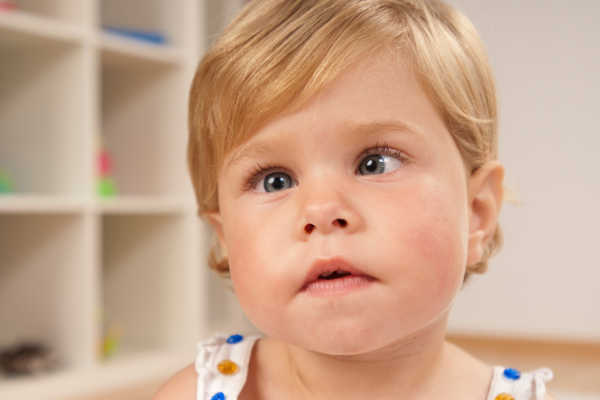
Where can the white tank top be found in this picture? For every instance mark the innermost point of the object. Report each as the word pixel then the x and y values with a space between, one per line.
pixel 222 367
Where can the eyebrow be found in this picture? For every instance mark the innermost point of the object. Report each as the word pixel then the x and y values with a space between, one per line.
pixel 263 146
pixel 255 148
pixel 370 128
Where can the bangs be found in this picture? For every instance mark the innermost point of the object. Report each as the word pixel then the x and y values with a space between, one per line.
pixel 265 65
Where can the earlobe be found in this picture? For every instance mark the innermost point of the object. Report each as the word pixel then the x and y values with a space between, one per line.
pixel 485 191
pixel 214 218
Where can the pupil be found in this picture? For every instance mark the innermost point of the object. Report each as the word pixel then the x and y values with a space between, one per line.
pixel 276 182
pixel 371 165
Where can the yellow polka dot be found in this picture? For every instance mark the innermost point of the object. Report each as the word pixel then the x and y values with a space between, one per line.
pixel 504 396
pixel 227 367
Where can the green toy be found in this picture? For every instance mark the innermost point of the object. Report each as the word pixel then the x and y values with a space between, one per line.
pixel 111 341
pixel 106 187
pixel 7 184
pixel 112 335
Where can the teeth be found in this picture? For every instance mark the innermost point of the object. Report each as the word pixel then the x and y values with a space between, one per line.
pixel 338 273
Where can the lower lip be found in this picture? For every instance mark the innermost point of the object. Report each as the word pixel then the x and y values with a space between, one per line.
pixel 336 287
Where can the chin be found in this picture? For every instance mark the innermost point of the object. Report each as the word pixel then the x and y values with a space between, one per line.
pixel 337 338
pixel 345 344
pixel 348 347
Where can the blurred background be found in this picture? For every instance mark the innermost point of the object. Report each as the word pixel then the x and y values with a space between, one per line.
pixel 104 289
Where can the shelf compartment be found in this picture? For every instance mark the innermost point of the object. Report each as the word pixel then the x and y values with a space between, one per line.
pixel 153 16
pixel 144 126
pixel 63 10
pixel 142 278
pixel 41 115
pixel 41 284
pixel 122 373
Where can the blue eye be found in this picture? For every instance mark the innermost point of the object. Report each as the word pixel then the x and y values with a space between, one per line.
pixel 276 182
pixel 378 164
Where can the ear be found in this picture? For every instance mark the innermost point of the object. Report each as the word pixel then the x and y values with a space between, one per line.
pixel 485 191
pixel 214 218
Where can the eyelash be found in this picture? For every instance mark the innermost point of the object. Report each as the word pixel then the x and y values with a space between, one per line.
pixel 261 170
pixel 383 149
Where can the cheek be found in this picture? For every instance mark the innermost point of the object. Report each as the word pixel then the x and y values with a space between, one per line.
pixel 428 236
pixel 255 244
pixel 438 227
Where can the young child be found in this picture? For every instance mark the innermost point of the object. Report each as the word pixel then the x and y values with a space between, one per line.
pixel 345 152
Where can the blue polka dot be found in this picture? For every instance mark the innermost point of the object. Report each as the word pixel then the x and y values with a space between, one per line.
pixel 512 373
pixel 233 339
pixel 218 396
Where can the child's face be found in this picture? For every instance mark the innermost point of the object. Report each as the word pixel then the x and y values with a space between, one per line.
pixel 400 219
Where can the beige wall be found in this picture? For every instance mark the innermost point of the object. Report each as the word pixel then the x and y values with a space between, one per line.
pixel 546 55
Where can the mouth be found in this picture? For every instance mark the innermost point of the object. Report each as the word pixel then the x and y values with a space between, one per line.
pixel 334 276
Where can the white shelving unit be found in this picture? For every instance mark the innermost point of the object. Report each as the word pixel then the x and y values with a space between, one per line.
pixel 70 260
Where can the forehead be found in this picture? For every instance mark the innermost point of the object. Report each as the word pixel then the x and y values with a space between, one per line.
pixel 375 95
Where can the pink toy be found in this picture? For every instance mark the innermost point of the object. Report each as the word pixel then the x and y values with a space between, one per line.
pixel 104 163
pixel 7 5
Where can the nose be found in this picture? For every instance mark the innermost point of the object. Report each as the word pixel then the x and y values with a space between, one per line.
pixel 327 209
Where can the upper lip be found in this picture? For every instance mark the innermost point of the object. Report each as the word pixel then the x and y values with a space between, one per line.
pixel 323 265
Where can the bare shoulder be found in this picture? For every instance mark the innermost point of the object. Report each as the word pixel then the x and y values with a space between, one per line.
pixel 548 396
pixel 181 386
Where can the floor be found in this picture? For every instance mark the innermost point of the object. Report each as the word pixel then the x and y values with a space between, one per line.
pixel 576 366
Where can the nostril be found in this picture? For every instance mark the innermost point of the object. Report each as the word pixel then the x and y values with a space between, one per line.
pixel 342 222
pixel 309 228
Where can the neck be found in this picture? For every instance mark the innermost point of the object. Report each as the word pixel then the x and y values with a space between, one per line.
pixel 412 367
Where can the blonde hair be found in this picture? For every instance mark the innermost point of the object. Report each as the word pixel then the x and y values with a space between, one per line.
pixel 277 54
